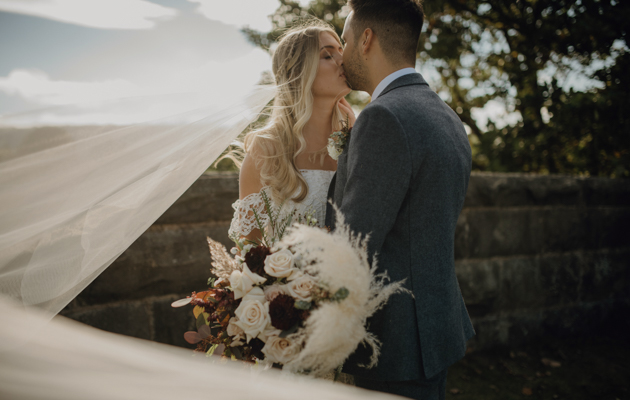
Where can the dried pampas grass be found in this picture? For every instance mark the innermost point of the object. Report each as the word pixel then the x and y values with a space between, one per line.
pixel 222 263
pixel 335 329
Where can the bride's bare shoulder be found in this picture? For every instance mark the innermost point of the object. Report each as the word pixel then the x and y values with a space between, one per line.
pixel 249 177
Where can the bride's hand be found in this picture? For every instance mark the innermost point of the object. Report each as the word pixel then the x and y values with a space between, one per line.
pixel 346 111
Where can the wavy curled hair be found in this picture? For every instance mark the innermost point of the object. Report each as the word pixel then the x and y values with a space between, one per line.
pixel 277 145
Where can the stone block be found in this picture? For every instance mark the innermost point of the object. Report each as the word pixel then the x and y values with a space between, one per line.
pixel 209 199
pixel 517 190
pixel 607 227
pixel 171 323
pixel 560 278
pixel 165 259
pixel 516 328
pixel 492 232
pixel 480 283
pixel 606 192
pixel 509 284
pixel 605 275
pixel 497 232
pixel 132 318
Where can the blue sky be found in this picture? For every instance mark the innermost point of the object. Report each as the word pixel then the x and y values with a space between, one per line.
pixel 55 52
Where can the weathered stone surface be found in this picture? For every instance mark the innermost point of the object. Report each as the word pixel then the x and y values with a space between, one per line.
pixel 166 259
pixel 516 328
pixel 131 318
pixel 210 198
pixel 606 192
pixel 491 232
pixel 535 255
pixel 514 190
pixel 171 323
pixel 509 284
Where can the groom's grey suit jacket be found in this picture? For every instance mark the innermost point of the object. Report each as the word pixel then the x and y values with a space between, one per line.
pixel 402 178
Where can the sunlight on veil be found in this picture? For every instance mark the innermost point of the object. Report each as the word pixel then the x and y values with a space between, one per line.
pixel 72 200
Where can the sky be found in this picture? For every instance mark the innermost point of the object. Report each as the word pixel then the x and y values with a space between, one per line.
pixel 59 52
pixel 56 52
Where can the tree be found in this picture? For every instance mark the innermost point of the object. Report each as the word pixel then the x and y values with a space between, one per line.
pixel 519 54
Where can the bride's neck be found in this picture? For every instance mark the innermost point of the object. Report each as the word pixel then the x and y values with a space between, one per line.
pixel 319 127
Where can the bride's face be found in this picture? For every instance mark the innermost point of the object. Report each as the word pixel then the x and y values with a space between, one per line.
pixel 330 80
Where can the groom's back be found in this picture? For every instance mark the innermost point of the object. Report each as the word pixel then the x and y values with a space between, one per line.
pixel 419 244
pixel 440 151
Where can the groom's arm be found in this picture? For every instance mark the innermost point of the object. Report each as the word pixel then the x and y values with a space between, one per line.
pixel 379 173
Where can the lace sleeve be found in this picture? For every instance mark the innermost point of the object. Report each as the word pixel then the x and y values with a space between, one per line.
pixel 244 220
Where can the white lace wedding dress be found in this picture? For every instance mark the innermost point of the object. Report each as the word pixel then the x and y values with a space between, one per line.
pixel 244 220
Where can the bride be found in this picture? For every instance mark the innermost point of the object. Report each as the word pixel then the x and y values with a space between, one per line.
pixel 288 157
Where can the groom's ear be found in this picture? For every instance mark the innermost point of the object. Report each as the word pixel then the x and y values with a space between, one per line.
pixel 366 40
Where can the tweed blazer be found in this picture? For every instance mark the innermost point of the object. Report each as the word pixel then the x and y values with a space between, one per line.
pixel 402 179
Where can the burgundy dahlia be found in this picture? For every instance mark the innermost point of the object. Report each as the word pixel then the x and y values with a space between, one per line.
pixel 256 346
pixel 283 313
pixel 255 259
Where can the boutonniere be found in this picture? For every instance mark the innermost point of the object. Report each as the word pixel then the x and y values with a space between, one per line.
pixel 337 141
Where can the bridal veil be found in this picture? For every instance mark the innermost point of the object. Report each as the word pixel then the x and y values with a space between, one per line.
pixel 72 200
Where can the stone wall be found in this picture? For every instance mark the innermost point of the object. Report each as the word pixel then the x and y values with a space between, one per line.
pixel 535 255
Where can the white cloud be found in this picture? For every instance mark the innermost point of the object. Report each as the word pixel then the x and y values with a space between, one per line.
pixel 37 87
pixel 119 101
pixel 105 14
pixel 254 13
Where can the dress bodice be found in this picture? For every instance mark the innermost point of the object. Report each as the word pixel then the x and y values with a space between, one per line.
pixel 318 181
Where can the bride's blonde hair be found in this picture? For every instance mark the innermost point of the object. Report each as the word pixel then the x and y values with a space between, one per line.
pixel 276 146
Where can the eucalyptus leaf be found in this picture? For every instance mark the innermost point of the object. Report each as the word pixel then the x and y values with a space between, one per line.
pixel 340 294
pixel 237 353
pixel 302 305
pixel 204 331
pixel 201 320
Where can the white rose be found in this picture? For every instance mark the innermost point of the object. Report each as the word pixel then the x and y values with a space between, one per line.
pixel 243 282
pixel 295 274
pixel 233 329
pixel 301 288
pixel 333 152
pixel 280 264
pixel 279 350
pixel 255 294
pixel 253 317
pixel 269 331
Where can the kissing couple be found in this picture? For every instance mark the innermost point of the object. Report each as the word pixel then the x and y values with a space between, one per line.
pixel 398 173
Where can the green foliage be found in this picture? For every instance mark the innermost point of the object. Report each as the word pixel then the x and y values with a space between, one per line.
pixel 519 54
pixel 290 13
pixel 502 51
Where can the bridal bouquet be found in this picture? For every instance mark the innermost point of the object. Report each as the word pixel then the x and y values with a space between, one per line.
pixel 299 298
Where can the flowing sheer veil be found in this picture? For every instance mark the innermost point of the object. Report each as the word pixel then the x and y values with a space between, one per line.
pixel 72 361
pixel 72 200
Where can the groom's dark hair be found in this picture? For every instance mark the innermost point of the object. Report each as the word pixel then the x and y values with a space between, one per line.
pixel 396 23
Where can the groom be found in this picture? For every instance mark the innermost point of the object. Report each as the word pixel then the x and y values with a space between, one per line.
pixel 402 178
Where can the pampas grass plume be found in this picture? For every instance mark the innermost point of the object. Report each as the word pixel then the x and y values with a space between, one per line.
pixel 335 329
